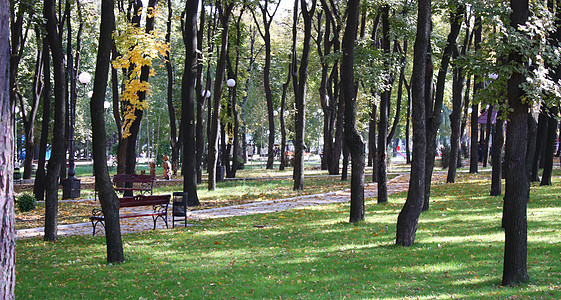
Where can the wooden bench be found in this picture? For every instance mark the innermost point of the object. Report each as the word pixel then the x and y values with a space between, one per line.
pixel 159 205
pixel 145 183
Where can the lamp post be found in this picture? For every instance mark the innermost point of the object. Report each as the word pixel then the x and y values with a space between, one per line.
pixel 71 185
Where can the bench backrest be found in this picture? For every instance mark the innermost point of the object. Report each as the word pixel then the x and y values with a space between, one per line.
pixel 133 178
pixel 142 200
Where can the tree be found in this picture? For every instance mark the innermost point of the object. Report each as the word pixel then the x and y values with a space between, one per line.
pixel 266 35
pixel 175 138
pixel 57 152
pixel 7 233
pixel 409 215
pixel 188 102
pixel 39 185
pixel 385 98
pixel 352 136
pixel 225 10
pixel 300 97
pixel 107 197
pixel 434 107
pixel 458 84
pixel 517 186
pixel 477 86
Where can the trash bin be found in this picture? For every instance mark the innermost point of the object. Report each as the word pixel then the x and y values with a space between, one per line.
pixel 179 210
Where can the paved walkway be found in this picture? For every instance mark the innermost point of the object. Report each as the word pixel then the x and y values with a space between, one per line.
pixel 397 184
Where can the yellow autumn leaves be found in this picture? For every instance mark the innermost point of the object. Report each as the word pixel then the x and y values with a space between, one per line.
pixel 138 49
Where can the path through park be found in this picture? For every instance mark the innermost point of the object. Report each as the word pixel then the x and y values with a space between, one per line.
pixel 397 184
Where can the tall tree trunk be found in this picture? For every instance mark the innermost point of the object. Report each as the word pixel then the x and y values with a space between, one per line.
pixel 352 136
pixel 188 103
pixel 458 84
pixel 409 215
pixel 434 110
pixel 107 196
pixel 541 136
pixel 201 93
pixel 57 153
pixel 384 107
pixel 39 185
pixel 517 190
pixel 372 141
pixel 497 152
pixel 29 118
pixel 550 145
pixel 408 125
pixel 175 137
pixel 219 79
pixel 477 86
pixel 281 118
pixel 7 107
pixel 300 99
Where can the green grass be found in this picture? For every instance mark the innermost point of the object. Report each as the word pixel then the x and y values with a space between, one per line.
pixel 312 253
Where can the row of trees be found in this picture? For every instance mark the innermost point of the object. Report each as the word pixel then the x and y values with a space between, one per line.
pixel 361 49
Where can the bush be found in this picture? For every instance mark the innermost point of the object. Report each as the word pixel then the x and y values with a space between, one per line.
pixel 26 202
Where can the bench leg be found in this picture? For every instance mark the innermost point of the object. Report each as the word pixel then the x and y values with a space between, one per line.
pixel 94 224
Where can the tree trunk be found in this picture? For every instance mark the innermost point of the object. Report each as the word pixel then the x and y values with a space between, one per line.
pixel 550 146
pixel 300 99
pixel 39 185
pixel 372 136
pixel 455 118
pixel 517 191
pixel 7 107
pixel 497 152
pixel 107 197
pixel 175 137
pixel 540 143
pixel 384 107
pixel 474 153
pixel 352 136
pixel 57 153
pixel 219 79
pixel 434 110
pixel 409 215
pixel 188 103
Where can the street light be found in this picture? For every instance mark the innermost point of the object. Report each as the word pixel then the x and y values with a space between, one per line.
pixel 231 83
pixel 71 185
pixel 206 94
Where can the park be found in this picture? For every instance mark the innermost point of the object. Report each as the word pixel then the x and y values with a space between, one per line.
pixel 280 149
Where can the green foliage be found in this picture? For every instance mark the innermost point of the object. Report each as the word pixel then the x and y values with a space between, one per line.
pixel 26 202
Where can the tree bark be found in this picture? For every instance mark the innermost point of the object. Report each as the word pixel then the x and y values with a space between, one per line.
pixel 39 185
pixel 550 146
pixel 107 196
pixel 409 215
pixel 7 107
pixel 188 103
pixel 383 122
pixel 175 136
pixel 539 145
pixel 517 190
pixel 219 79
pixel 497 152
pixel 474 153
pixel 434 110
pixel 352 136
pixel 300 99
pixel 57 153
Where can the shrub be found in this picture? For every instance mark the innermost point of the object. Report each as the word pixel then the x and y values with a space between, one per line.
pixel 26 202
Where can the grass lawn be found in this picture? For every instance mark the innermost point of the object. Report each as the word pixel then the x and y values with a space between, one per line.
pixel 312 253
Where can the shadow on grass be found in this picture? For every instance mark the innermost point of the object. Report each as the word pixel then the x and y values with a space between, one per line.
pixel 307 253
